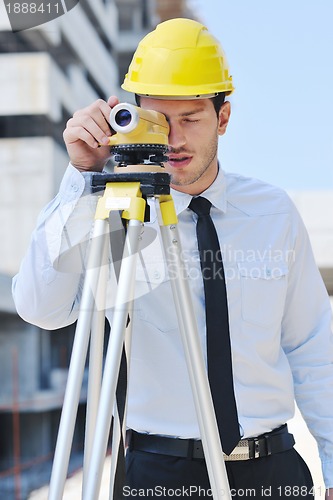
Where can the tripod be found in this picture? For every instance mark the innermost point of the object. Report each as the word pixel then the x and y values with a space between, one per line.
pixel 128 192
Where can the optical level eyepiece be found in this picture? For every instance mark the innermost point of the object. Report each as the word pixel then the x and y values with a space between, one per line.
pixel 123 117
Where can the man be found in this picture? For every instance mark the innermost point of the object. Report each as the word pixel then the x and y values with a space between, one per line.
pixel 278 308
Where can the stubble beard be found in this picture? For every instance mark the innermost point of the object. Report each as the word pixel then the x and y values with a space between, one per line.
pixel 208 157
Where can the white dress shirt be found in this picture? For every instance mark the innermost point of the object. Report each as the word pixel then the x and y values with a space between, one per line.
pixel 279 310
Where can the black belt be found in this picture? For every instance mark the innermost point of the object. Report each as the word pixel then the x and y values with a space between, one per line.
pixel 264 445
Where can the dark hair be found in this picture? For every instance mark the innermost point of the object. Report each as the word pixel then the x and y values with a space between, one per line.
pixel 137 100
pixel 217 101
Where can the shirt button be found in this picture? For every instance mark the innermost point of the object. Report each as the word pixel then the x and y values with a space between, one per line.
pixel 157 275
pixel 75 187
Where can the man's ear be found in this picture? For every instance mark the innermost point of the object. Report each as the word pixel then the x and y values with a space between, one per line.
pixel 223 118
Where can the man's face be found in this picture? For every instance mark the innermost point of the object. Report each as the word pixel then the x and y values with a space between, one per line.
pixel 193 140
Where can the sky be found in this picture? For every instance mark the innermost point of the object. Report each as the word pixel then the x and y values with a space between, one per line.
pixel 280 55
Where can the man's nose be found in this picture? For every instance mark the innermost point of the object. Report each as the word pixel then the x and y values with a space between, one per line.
pixel 176 136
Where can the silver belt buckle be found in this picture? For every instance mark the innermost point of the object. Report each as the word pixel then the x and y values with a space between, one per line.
pixel 240 452
pixel 256 449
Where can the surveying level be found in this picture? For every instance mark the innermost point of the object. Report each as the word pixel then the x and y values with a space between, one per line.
pixel 139 175
pixel 141 135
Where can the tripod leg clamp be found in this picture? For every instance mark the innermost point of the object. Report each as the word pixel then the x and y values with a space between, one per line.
pixel 125 196
pixel 167 209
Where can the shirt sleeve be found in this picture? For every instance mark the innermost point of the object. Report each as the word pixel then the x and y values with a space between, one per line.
pixel 308 342
pixel 48 286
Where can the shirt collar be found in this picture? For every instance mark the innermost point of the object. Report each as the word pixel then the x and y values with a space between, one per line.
pixel 216 194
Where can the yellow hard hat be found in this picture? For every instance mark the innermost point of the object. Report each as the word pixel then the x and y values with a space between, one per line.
pixel 179 59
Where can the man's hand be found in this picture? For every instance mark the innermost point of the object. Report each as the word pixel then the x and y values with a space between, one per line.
pixel 88 128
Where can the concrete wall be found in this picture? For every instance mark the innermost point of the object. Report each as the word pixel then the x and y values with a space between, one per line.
pixel 31 169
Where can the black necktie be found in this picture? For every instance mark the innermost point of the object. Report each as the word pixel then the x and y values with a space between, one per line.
pixel 217 326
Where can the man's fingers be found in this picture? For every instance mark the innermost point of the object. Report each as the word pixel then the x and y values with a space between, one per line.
pixel 88 129
pixel 113 101
pixel 100 113
pixel 90 125
pixel 73 134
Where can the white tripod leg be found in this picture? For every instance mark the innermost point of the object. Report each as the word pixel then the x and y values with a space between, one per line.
pixel 117 430
pixel 76 368
pixel 95 361
pixel 124 297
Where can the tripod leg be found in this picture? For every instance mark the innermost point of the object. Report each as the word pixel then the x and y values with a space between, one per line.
pixel 76 369
pixel 193 354
pixel 95 363
pixel 119 429
pixel 107 398
pixel 117 466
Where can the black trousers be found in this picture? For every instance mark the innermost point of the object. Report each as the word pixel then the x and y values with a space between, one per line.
pixel 282 475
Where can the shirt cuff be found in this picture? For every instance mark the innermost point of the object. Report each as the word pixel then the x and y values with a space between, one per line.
pixel 75 184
